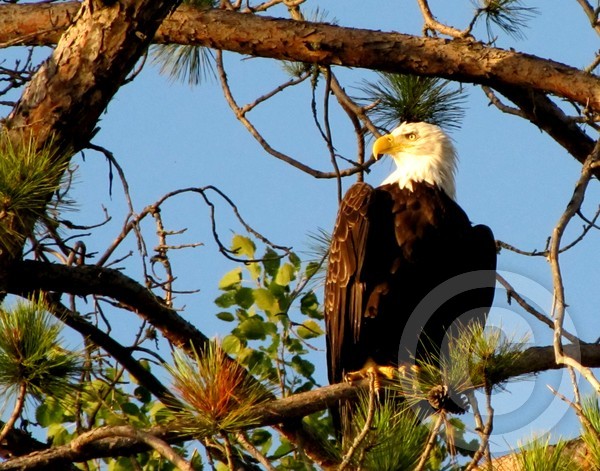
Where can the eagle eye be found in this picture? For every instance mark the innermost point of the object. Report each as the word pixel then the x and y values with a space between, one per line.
pixel 411 136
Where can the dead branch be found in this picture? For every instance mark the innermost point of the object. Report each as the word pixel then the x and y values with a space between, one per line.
pixel 574 205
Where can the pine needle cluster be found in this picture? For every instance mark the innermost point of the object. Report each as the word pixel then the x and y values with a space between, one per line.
pixel 540 455
pixel 186 63
pixel 511 16
pixel 475 358
pixel 591 429
pixel 219 394
pixel 31 353
pixel 28 178
pixel 401 97
pixel 396 438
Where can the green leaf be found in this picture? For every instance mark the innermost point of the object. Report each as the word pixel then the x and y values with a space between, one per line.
pixel 226 316
pixel 259 437
pixel 265 300
pixel 59 434
pixel 312 268
pixel 231 280
pixel 295 260
pixel 227 299
pixel 142 395
pixel 121 463
pixel 231 345
pixel 244 297
pixel 252 329
pixel 302 366
pixel 285 274
pixel 242 245
pixel 309 330
pixel 160 413
pixel 271 262
pixel 48 413
pixel 309 306
pixel 134 414
pixel 283 449
pixel 254 270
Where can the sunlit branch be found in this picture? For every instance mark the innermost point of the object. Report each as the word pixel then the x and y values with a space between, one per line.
pixel 257 455
pixel 366 427
pixel 484 433
pixel 591 14
pixel 433 433
pixel 16 412
pixel 431 24
pixel 574 205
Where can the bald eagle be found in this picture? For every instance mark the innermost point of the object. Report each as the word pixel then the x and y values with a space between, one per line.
pixel 405 262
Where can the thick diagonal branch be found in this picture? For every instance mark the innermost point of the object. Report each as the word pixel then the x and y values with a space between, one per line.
pixel 533 360
pixel 325 44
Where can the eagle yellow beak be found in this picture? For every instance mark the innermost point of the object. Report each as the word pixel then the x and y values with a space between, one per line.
pixel 383 145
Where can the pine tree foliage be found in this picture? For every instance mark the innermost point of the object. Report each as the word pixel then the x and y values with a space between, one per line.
pixel 591 429
pixel 511 16
pixel 396 437
pixel 32 355
pixel 191 64
pixel 220 395
pixel 400 97
pixel 27 176
pixel 540 455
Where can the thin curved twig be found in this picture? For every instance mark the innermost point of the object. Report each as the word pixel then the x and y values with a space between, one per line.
pixel 17 409
pixel 366 427
pixel 574 205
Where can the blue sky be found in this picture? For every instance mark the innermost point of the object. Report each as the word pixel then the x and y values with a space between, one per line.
pixel 511 177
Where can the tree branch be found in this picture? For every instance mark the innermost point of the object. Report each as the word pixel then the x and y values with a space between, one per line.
pixel 546 115
pixel 459 60
pixel 533 360
pixel 28 276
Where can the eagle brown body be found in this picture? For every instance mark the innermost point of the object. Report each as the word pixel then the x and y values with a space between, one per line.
pixel 404 265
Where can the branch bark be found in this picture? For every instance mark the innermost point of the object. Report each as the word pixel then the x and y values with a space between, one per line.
pixel 460 60
pixel 533 360
pixel 29 276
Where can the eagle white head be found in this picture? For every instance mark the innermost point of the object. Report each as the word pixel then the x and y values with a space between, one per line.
pixel 422 153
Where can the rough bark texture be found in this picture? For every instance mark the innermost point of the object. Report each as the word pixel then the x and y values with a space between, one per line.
pixel 461 60
pixel 98 45
pixel 29 276
pixel 64 99
pixel 70 91
pixel 532 361
pixel 522 78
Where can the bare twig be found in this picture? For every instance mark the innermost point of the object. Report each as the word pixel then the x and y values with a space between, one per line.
pixel 431 441
pixel 433 25
pixel 17 409
pixel 591 14
pixel 578 411
pixel 574 205
pixel 486 432
pixel 494 100
pixel 241 116
pixel 257 455
pixel 366 427
pixel 127 431
pixel 512 294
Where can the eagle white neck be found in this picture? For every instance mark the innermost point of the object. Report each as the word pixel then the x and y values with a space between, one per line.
pixel 422 153
pixel 417 168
